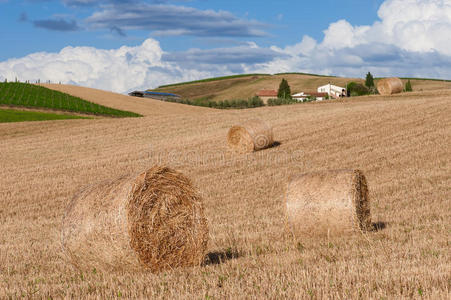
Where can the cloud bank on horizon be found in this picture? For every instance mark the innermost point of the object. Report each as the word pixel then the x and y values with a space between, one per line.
pixel 414 42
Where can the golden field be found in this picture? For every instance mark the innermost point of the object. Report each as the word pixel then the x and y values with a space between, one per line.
pixel 402 143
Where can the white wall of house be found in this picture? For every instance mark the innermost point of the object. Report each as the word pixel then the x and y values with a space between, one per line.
pixel 333 91
pixel 299 96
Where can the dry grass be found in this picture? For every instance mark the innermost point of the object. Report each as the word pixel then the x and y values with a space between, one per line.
pixel 400 142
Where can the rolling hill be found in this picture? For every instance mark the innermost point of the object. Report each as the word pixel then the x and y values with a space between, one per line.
pixel 401 143
pixel 143 106
pixel 243 87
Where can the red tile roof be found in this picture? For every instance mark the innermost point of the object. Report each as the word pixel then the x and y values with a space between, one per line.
pixel 267 93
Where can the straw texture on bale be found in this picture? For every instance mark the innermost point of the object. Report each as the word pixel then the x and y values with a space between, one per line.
pixel 250 136
pixel 328 202
pixel 390 86
pixel 154 221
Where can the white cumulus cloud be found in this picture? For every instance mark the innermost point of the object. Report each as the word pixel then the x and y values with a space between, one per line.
pixel 118 70
pixel 411 25
pixel 411 38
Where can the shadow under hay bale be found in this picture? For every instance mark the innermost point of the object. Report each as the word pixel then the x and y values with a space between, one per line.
pixel 328 202
pixel 378 226
pixel 250 136
pixel 390 86
pixel 218 257
pixel 154 221
pixel 276 144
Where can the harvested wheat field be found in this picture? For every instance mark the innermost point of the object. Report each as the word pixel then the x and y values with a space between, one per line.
pixel 401 143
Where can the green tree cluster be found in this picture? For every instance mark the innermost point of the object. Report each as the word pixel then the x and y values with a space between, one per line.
pixel 281 101
pixel 357 89
pixel 240 104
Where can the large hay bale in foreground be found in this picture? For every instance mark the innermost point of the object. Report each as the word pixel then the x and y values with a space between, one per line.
pixel 328 202
pixel 390 86
pixel 154 220
pixel 250 136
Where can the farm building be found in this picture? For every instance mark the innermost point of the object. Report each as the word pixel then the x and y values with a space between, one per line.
pixel 154 95
pixel 301 97
pixel 332 90
pixel 265 95
pixel 318 96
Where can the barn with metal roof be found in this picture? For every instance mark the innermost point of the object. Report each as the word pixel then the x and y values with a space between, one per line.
pixel 154 95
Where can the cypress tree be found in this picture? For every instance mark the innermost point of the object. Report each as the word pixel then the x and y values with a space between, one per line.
pixel 408 86
pixel 369 82
pixel 284 90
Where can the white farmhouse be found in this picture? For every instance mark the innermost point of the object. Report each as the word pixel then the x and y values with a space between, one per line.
pixel 332 90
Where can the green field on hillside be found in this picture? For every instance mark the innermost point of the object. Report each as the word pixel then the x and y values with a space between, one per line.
pixel 32 96
pixel 12 115
pixel 301 73
pixel 426 79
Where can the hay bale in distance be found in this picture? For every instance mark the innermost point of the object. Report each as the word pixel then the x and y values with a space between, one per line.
pixel 250 136
pixel 154 220
pixel 328 202
pixel 390 86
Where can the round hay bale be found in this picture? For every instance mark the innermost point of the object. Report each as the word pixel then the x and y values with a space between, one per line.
pixel 390 86
pixel 154 220
pixel 250 136
pixel 328 202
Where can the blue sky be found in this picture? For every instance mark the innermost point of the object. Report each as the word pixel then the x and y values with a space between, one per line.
pixel 103 43
pixel 23 30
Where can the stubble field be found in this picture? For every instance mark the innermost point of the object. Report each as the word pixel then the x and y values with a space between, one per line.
pixel 402 144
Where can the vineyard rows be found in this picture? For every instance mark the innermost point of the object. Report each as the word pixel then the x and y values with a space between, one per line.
pixel 33 96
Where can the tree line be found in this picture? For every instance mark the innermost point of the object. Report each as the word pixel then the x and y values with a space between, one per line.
pixel 222 104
